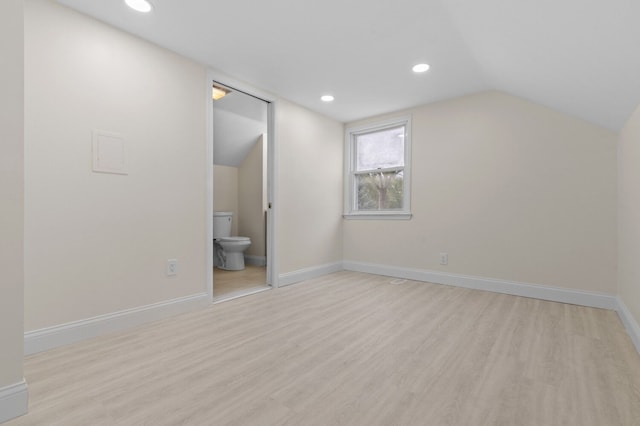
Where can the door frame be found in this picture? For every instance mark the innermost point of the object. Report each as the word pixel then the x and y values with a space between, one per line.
pixel 272 211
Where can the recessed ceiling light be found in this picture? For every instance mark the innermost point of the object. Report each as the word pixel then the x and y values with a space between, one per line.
pixel 139 5
pixel 327 98
pixel 420 68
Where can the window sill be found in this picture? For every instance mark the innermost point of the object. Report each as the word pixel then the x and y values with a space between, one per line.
pixel 377 216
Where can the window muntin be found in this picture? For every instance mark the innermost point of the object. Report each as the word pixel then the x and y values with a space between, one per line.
pixel 377 170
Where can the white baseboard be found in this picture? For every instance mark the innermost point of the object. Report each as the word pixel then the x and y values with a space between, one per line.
pixel 555 294
pixel 308 273
pixel 14 401
pixel 52 337
pixel 255 260
pixel 630 323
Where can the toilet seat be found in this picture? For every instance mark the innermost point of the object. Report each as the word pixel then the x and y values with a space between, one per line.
pixel 233 239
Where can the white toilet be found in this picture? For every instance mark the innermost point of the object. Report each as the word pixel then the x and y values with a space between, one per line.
pixel 229 251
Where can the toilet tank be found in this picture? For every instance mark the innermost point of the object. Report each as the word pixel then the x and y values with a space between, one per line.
pixel 222 224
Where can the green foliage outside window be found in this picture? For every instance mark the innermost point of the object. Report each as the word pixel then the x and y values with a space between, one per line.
pixel 380 190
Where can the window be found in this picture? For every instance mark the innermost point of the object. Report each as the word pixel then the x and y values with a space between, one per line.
pixel 377 160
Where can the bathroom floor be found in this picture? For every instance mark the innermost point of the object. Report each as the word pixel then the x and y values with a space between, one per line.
pixel 231 283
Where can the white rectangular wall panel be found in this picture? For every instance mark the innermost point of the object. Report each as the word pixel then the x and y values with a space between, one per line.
pixel 109 153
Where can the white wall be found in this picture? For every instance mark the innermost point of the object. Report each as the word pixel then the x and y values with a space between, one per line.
pixel 11 205
pixel 510 190
pixel 629 216
pixel 225 192
pixel 309 156
pixel 98 243
pixel 251 197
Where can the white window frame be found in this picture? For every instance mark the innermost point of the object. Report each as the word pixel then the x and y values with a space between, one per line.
pixel 350 189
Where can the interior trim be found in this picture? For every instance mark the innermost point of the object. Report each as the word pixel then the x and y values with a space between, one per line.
pixel 630 323
pixel 14 401
pixel 543 292
pixel 72 332
pixel 309 273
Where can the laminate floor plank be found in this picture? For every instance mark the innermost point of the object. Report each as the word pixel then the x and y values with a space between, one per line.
pixel 227 283
pixel 349 349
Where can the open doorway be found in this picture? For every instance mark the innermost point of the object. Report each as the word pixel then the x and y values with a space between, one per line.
pixel 241 195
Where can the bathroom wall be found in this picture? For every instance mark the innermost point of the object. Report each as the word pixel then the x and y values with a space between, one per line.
pixel 13 397
pixel 252 197
pixel 98 243
pixel 225 192
pixel 309 157
pixel 510 190
pixel 628 217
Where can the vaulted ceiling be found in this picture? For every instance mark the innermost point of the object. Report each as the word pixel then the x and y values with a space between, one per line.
pixel 581 57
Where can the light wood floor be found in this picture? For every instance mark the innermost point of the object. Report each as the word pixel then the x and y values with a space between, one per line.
pixel 231 283
pixel 350 349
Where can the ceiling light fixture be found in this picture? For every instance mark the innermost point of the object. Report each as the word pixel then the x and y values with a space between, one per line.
pixel 139 5
pixel 218 92
pixel 420 68
pixel 327 98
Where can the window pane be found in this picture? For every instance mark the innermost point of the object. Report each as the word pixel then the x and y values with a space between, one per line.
pixel 381 149
pixel 380 191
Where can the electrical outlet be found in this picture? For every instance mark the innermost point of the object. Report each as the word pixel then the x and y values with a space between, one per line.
pixel 172 267
pixel 444 258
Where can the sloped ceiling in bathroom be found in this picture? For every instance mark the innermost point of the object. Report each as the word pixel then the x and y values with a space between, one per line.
pixel 238 121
